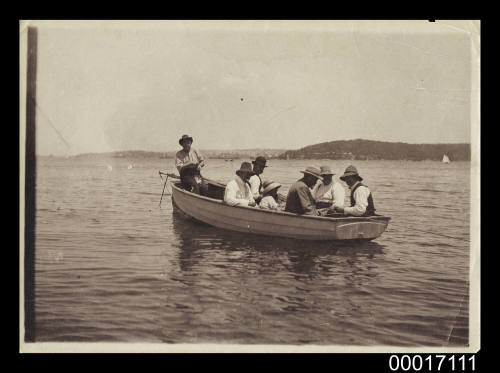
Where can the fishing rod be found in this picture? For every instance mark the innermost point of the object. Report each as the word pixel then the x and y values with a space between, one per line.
pixel 164 185
pixel 168 174
pixel 173 176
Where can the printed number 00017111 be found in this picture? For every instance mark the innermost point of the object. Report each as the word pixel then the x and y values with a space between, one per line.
pixel 431 363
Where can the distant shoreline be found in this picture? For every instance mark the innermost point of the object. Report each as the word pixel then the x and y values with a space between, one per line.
pixel 244 159
pixel 354 150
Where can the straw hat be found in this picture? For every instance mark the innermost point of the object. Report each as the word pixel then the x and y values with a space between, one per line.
pixel 184 138
pixel 350 171
pixel 326 170
pixel 269 186
pixel 313 171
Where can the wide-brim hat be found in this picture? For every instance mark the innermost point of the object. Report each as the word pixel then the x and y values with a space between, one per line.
pixel 245 167
pixel 260 160
pixel 270 186
pixel 350 171
pixel 326 170
pixel 313 171
pixel 184 138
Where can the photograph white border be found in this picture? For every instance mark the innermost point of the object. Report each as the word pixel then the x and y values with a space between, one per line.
pixel 472 28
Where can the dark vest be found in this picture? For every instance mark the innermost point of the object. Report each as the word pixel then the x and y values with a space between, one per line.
pixel 370 209
pixel 261 187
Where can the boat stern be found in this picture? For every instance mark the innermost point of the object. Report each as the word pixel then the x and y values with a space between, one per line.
pixel 361 229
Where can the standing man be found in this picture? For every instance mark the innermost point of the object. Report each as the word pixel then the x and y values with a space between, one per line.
pixel 189 162
pixel 299 199
pixel 328 193
pixel 361 197
pixel 255 181
pixel 238 191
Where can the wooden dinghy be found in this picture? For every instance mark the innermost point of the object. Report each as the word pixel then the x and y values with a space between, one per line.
pixel 213 211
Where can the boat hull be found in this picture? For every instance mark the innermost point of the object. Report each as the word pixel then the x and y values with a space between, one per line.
pixel 276 223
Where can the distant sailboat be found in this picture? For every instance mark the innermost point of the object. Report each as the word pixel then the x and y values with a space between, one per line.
pixel 446 159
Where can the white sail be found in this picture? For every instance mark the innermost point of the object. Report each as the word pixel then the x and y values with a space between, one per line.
pixel 446 159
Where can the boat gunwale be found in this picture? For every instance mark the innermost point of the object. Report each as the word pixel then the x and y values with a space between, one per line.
pixel 283 213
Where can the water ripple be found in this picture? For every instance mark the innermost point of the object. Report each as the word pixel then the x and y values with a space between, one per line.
pixel 112 266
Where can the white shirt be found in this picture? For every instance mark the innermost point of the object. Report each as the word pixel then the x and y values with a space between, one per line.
pixel 333 192
pixel 269 203
pixel 182 157
pixel 361 196
pixel 255 186
pixel 238 193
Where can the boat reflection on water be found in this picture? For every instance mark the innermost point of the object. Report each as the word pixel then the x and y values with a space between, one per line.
pixel 259 289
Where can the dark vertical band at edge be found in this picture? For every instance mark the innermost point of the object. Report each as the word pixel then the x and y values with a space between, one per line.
pixel 30 174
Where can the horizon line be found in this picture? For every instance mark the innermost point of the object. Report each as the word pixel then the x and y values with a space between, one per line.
pixel 248 149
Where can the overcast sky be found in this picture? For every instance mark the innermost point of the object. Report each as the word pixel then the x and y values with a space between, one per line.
pixel 106 86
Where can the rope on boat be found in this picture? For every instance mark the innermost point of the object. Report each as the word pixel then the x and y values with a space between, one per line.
pixel 429 232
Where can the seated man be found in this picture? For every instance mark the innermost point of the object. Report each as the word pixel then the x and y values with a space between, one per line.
pixel 328 193
pixel 189 162
pixel 238 191
pixel 255 181
pixel 299 199
pixel 361 197
pixel 270 193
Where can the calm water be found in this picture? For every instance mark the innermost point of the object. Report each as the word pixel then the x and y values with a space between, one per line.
pixel 113 266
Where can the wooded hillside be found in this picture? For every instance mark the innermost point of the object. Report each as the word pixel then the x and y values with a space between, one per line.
pixel 367 149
